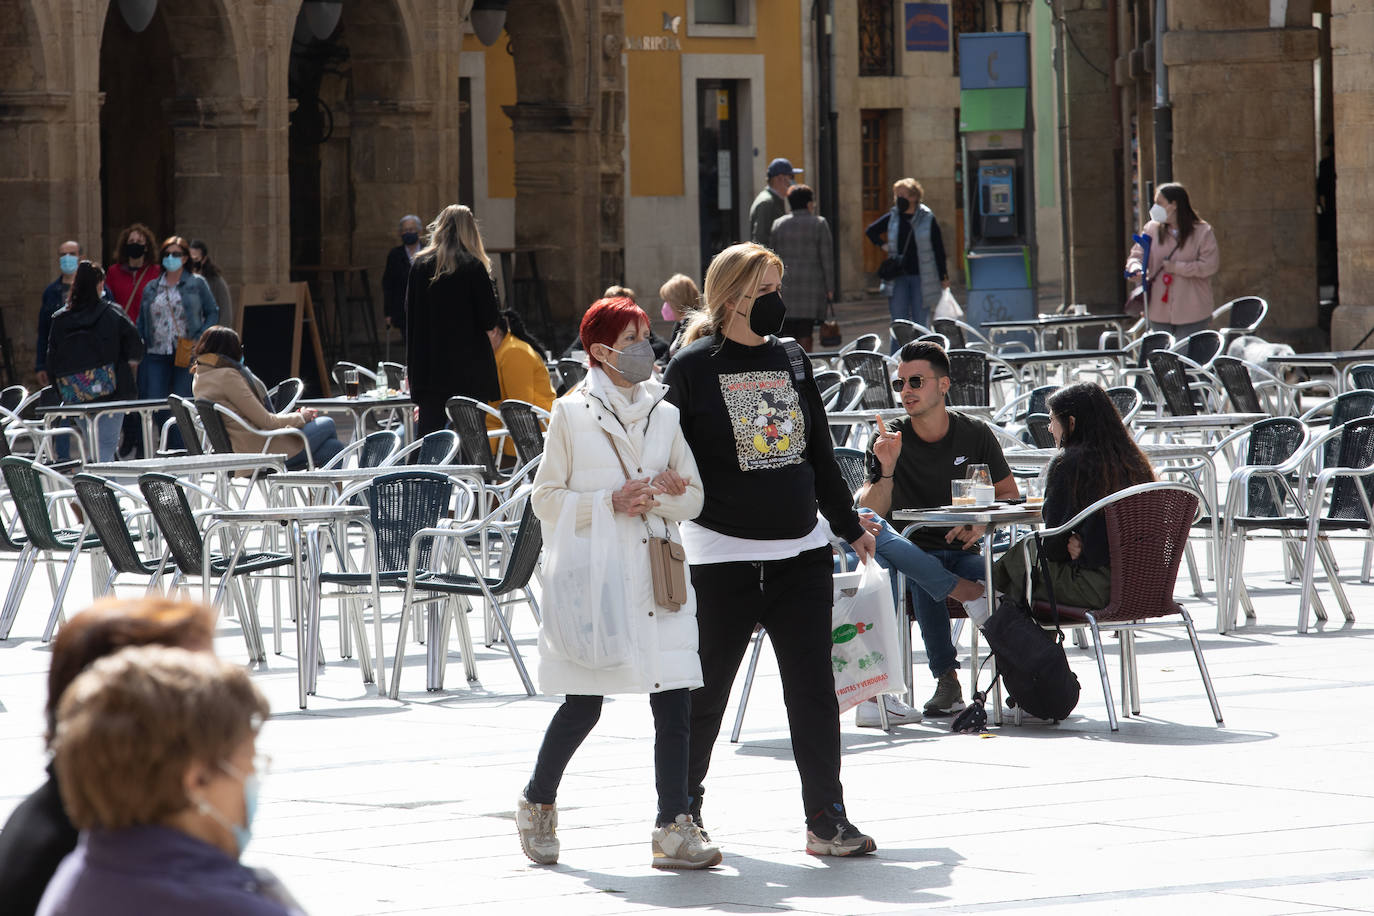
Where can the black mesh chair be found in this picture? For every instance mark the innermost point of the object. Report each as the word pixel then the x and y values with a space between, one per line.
pixel 469 419
pixel 1127 402
pixel 827 378
pixel 848 395
pixel 215 419
pixel 181 533
pixel 571 371
pixel 873 369
pixel 283 396
pixel 183 418
pixel 395 374
pixel 866 343
pixel 1038 426
pixel 852 466
pixel 216 432
pixel 939 339
pixel 1201 347
pixel 367 378
pixel 1361 376
pixel 1344 407
pixel 440 581
pixel 1261 496
pixel 46 541
pixel 969 376
pixel 1240 316
pixel 903 331
pixel 12 396
pixel 1172 381
pixel 952 332
pixel 100 501
pixel 438 447
pixel 1235 380
pixel 526 429
pixel 372 451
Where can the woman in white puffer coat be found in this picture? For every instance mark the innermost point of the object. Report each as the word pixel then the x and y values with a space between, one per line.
pixel 617 469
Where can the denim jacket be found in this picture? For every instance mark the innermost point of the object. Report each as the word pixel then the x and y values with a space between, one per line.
pixel 196 300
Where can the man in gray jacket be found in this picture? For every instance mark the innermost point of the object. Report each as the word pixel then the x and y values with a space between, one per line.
pixel 802 240
pixel 771 202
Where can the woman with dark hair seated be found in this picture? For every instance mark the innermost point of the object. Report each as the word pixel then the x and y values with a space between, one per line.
pixel 221 376
pixel 1098 458
pixel 39 834
pixel 520 366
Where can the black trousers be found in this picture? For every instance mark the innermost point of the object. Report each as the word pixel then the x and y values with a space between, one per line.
pixel 432 416
pixel 573 722
pixel 792 598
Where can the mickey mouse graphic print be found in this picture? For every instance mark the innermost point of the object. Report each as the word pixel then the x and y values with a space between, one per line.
pixel 766 417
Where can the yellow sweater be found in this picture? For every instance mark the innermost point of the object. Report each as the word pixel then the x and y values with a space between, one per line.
pixel 524 377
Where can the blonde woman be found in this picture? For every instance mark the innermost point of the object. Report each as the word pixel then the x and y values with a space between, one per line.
pixel 758 552
pixel 450 306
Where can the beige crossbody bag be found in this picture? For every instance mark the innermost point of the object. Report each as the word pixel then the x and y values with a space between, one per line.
pixel 667 559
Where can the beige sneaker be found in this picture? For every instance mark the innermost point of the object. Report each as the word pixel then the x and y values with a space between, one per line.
pixel 681 844
pixel 538 826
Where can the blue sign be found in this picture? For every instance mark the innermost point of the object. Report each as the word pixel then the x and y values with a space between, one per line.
pixel 927 27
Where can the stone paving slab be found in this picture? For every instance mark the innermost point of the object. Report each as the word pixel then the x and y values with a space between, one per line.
pixel 375 806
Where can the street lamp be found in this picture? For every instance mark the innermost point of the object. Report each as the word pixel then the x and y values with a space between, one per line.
pixel 138 13
pixel 488 19
pixel 322 16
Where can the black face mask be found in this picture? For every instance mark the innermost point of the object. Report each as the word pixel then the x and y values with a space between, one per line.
pixel 903 204
pixel 410 238
pixel 767 315
pixel 133 251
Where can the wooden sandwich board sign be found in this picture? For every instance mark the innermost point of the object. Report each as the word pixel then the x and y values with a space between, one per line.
pixel 281 339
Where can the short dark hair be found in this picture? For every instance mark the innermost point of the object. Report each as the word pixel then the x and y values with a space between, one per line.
pixel 932 353
pixel 220 340
pixel 799 196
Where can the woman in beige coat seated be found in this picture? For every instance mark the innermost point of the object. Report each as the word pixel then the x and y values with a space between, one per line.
pixel 221 376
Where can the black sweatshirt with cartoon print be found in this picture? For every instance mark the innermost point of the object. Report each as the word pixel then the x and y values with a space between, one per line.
pixel 760 439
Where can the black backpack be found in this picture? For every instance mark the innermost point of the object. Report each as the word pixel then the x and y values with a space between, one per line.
pixel 1031 659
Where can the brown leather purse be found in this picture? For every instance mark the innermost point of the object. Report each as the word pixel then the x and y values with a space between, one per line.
pixel 667 559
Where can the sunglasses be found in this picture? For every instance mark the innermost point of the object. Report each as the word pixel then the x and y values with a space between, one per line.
pixel 916 381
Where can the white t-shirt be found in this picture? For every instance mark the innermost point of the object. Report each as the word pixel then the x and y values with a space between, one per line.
pixel 704 546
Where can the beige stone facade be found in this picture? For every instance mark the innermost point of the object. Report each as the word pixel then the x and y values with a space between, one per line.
pixel 229 121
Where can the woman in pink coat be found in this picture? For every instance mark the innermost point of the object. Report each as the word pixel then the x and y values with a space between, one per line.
pixel 1183 258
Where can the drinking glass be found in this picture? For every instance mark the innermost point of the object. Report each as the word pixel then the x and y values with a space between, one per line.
pixel 984 493
pixel 351 389
pixel 961 492
pixel 1035 491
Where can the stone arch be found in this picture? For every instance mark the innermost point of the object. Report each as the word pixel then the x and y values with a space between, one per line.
pixel 172 125
pixel 22 64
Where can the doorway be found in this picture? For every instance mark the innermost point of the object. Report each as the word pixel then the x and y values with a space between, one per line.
pixel 877 196
pixel 718 118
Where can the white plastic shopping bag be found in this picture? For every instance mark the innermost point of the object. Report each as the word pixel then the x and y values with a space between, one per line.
pixel 585 617
pixel 865 653
pixel 948 306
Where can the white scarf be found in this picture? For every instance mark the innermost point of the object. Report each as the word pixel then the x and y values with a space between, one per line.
pixel 631 406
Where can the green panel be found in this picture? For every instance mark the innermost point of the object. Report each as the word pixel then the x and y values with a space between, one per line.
pixel 992 109
pixel 1043 100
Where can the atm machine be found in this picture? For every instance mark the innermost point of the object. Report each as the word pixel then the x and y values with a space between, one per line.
pixel 995 131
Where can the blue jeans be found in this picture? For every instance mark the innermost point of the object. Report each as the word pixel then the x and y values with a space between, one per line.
pixel 324 443
pixel 934 574
pixel 158 376
pixel 107 427
pixel 905 300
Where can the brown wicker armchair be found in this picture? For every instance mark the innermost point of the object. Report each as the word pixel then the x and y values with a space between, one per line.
pixel 1147 529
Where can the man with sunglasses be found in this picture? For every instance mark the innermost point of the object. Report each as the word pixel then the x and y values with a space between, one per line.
pixel 910 466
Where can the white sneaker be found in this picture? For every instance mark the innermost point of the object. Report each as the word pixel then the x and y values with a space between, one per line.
pixel 681 844
pixel 898 713
pixel 538 827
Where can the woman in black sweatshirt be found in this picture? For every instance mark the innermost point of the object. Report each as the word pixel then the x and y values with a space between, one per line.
pixel 758 553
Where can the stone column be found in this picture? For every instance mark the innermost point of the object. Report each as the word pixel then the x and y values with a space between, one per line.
pixel 1352 45
pixel 1243 108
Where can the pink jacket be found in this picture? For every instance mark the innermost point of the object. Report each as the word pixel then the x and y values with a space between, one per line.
pixel 1192 267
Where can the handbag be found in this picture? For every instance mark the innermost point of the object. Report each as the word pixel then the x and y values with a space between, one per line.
pixel 87 385
pixel 667 559
pixel 891 268
pixel 186 351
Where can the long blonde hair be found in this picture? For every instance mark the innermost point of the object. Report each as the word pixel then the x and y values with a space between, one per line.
pixel 734 274
pixel 454 230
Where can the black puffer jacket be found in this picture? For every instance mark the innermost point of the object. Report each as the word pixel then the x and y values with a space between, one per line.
pixel 98 335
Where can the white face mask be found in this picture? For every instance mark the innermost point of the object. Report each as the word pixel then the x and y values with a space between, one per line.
pixel 1158 213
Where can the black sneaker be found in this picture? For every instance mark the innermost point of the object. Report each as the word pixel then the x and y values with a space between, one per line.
pixel 829 833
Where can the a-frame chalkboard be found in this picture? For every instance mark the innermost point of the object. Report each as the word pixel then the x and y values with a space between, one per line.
pixel 280 337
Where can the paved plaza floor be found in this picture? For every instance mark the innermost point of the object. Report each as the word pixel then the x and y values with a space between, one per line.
pixel 375 806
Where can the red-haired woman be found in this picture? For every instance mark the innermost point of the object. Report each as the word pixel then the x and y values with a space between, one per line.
pixel 617 469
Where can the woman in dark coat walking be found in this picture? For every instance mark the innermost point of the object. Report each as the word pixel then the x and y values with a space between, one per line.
pixel 450 305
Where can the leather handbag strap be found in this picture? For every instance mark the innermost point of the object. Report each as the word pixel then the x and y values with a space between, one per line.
pixel 624 468
pixel 134 292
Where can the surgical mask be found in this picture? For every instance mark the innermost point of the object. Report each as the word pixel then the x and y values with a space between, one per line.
pixel 171 263
pixel 242 833
pixel 68 262
pixel 767 314
pixel 667 311
pixel 635 362
pixel 410 238
pixel 135 250
pixel 1158 213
